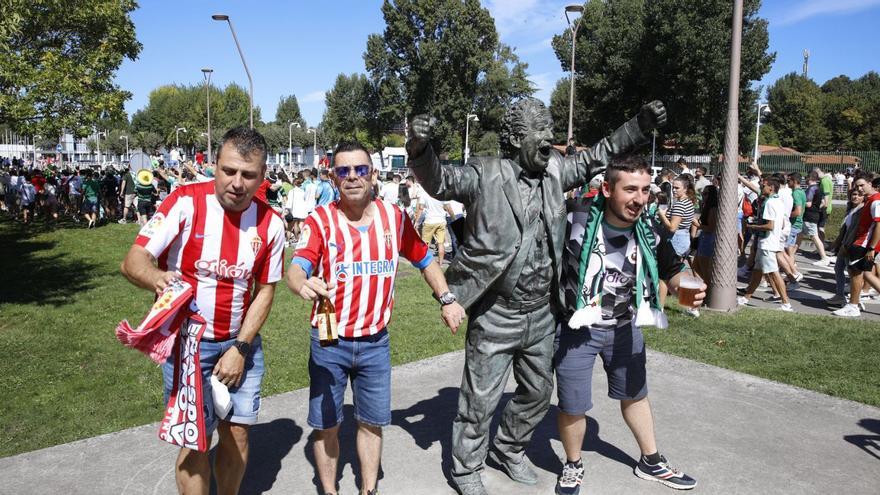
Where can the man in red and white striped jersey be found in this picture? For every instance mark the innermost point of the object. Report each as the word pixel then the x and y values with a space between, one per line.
pixel 229 246
pixel 348 251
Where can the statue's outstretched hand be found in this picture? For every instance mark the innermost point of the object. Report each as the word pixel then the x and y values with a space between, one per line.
pixel 421 130
pixel 652 116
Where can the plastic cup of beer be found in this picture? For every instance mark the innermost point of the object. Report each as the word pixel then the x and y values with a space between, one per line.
pixel 689 286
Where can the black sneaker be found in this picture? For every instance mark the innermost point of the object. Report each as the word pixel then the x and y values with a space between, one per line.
pixel 662 472
pixel 569 482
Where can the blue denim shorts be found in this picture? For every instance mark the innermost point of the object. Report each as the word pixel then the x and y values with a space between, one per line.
pixel 245 398
pixel 792 237
pixel 364 360
pixel 623 357
pixel 681 242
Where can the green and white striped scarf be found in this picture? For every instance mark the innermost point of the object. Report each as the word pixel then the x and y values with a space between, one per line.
pixel 591 270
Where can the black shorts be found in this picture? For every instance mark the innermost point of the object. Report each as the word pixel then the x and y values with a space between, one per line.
pixel 858 253
pixel 145 208
pixel 823 217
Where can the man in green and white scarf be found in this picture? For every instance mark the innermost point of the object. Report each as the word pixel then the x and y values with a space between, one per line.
pixel 612 265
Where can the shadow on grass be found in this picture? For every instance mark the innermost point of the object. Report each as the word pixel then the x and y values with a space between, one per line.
pixel 869 443
pixel 27 276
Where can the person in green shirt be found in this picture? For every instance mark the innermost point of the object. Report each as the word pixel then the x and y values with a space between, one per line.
pixel 91 197
pixel 799 202
pixel 145 194
pixel 827 186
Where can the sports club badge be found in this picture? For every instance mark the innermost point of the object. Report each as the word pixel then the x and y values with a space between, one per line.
pixel 388 238
pixel 304 235
pixel 153 225
pixel 256 244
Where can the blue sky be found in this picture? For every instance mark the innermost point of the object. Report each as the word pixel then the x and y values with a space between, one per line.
pixel 299 47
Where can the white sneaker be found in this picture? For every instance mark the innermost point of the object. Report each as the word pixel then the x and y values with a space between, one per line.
pixel 742 301
pixel 122 221
pixel 848 311
pixel 693 312
pixel 823 262
pixel 786 307
pixel 798 276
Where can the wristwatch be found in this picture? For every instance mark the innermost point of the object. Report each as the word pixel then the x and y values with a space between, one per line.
pixel 243 347
pixel 447 298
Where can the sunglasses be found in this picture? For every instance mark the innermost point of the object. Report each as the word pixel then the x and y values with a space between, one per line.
pixel 343 171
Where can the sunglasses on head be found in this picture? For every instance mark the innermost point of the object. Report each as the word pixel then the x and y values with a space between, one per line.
pixel 343 171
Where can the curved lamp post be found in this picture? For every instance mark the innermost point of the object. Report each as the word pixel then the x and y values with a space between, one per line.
pixel 207 73
pixel 290 141
pixel 575 10
pixel 467 131
pixel 224 17
pixel 763 109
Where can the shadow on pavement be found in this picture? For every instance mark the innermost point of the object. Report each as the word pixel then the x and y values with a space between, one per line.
pixel 869 443
pixel 269 444
pixel 347 452
pixel 429 422
pixel 544 457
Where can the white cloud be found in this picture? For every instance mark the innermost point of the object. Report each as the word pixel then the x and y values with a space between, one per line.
pixel 812 8
pixel 533 48
pixel 313 97
pixel 544 83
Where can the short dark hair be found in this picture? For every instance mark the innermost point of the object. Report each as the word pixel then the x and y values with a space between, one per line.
pixel 875 183
pixel 348 147
pixel 247 142
pixel 794 177
pixel 627 163
pixel 774 182
pixel 703 169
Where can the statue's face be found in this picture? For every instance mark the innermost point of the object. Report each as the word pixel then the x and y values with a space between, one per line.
pixel 536 144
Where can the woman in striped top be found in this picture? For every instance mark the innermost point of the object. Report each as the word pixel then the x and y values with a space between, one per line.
pixel 678 218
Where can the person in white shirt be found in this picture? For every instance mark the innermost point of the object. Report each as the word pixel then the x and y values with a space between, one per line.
pixel 390 191
pixel 770 242
pixel 415 195
pixel 296 209
pixel 434 226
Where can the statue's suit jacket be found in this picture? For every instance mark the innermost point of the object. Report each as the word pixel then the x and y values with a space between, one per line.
pixel 487 186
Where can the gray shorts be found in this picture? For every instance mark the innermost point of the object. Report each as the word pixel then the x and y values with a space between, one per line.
pixel 810 229
pixel 623 357
pixel 130 201
pixel 765 261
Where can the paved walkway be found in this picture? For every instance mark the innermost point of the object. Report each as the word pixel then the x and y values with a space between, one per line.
pixel 816 288
pixel 735 433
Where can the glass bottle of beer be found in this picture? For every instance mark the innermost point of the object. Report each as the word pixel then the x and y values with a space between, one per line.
pixel 327 333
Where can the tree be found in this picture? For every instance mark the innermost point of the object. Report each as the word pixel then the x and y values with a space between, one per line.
pixel 288 111
pixel 796 104
pixel 59 61
pixel 173 106
pixel 851 112
pixel 630 52
pixel 345 114
pixel 440 51
pixel 147 141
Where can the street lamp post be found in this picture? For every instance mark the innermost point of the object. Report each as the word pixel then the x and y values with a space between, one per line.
pixel 572 9
pixel 763 109
pixel 34 142
pixel 315 148
pixel 467 131
pixel 127 155
pixel 207 73
pixel 98 144
pixel 223 17
pixel 722 281
pixel 177 136
pixel 290 141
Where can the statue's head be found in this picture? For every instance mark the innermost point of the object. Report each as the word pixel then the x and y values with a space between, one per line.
pixel 527 134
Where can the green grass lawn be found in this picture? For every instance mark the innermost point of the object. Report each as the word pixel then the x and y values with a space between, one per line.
pixel 68 378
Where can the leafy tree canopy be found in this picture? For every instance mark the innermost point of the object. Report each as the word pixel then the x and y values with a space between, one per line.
pixel 59 60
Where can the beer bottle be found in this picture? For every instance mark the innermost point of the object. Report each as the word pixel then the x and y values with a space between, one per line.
pixel 327 333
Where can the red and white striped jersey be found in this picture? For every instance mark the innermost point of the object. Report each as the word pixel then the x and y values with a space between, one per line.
pixel 220 253
pixel 868 218
pixel 362 263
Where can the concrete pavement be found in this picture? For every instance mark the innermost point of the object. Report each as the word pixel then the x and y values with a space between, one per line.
pixel 733 432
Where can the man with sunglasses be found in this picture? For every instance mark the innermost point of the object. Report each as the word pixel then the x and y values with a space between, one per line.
pixel 507 272
pixel 348 252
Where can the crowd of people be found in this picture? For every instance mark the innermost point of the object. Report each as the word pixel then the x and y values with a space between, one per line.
pixel 777 214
